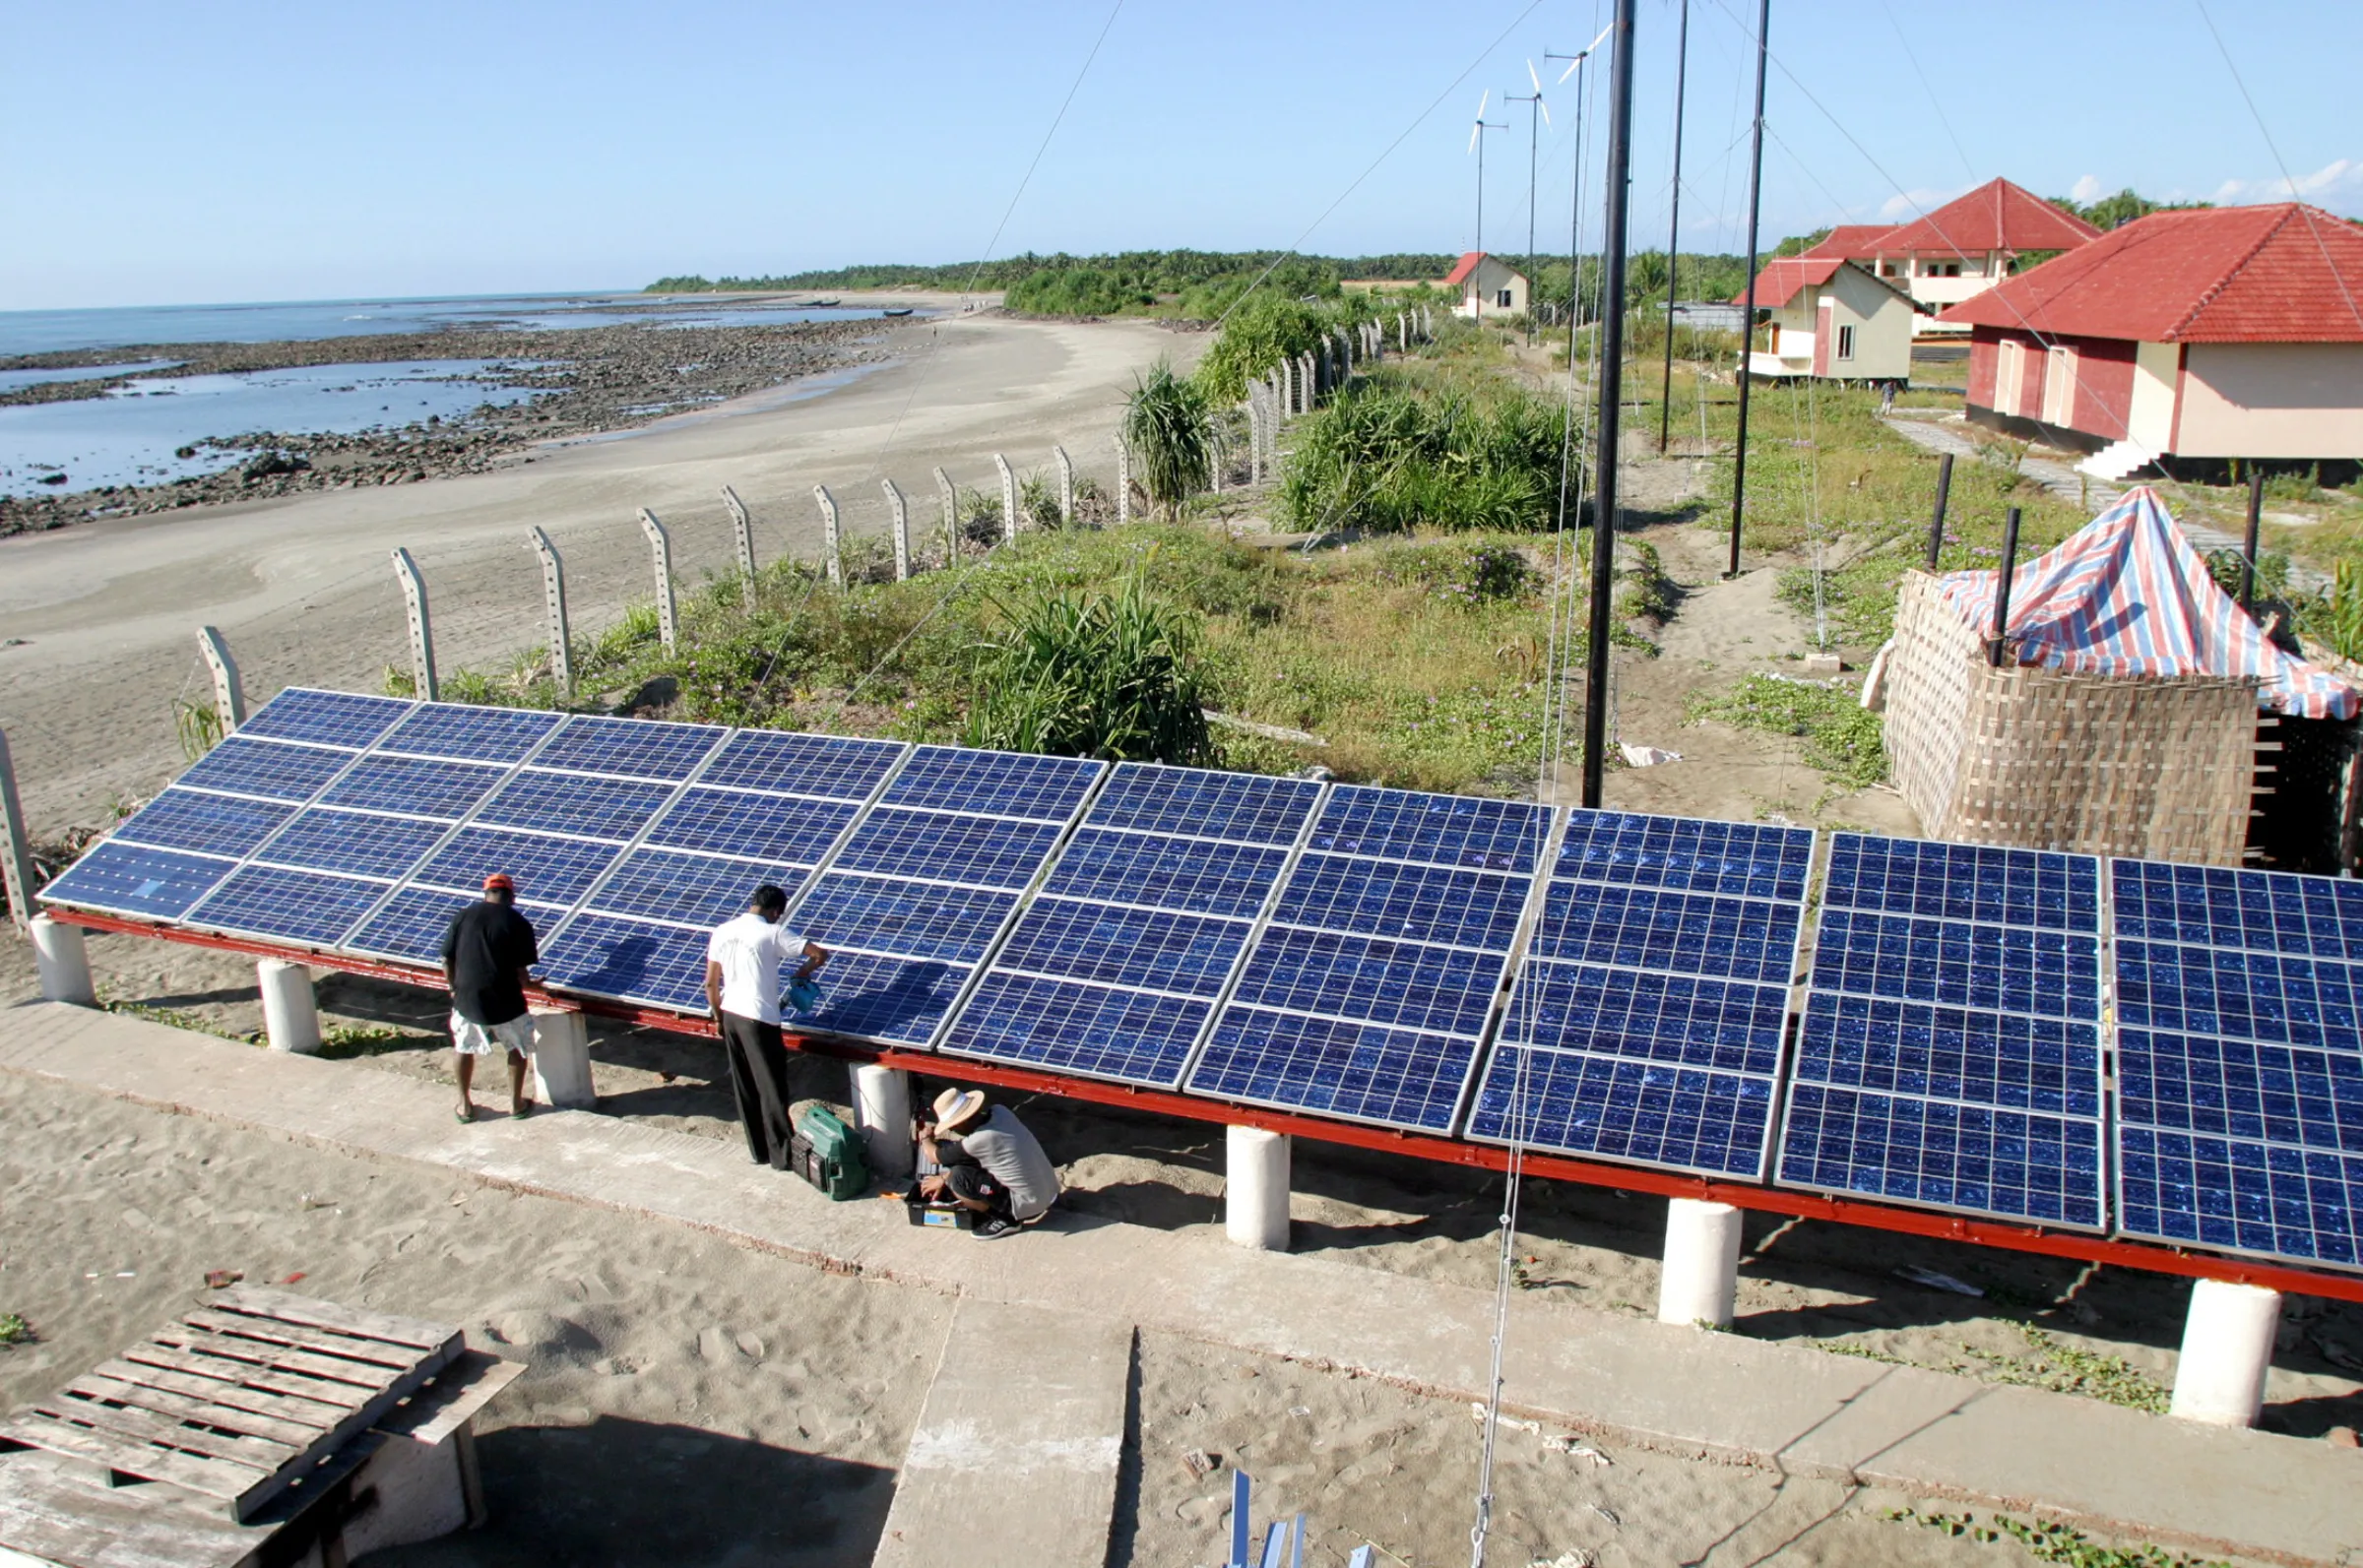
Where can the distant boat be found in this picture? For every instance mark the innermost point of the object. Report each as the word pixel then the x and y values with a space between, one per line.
pixel 899 310
pixel 816 304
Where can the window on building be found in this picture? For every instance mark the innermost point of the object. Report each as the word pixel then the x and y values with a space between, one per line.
pixel 1952 269
pixel 1887 269
pixel 1502 299
pixel 1846 341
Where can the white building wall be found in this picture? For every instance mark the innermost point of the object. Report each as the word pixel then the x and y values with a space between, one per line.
pixel 2271 401
pixel 2149 417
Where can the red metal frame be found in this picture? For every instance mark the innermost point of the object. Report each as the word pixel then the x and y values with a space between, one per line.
pixel 2155 1257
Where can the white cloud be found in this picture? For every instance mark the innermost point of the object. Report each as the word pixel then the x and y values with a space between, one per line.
pixel 2087 189
pixel 2336 184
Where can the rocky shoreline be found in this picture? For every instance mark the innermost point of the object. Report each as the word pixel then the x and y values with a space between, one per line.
pixel 592 379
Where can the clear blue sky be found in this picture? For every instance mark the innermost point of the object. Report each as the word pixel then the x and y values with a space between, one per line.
pixel 167 153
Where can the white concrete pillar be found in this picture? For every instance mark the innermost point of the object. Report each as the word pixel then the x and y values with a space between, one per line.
pixel 1701 1279
pixel 562 1058
pixel 290 1013
pixel 882 1110
pixel 1255 1191
pixel 2227 1349
pixel 63 962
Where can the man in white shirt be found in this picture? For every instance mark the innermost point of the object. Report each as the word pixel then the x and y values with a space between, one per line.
pixel 743 990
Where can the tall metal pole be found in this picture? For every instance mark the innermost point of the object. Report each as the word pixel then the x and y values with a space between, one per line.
pixel 1756 196
pixel 1534 142
pixel 1612 390
pixel 1665 395
pixel 1996 654
pixel 1936 523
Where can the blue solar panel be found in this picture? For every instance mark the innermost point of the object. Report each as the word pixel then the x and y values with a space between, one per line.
pixel 1951 1050
pixel 993 783
pixel 324 718
pixel 636 748
pixel 1138 949
pixel 830 766
pixel 1648 1113
pixel 1136 1037
pixel 911 919
pixel 755 826
pixel 362 843
pixel 1183 875
pixel 2013 1163
pixel 133 879
pixel 415 787
pixel 1686 855
pixel 1431 990
pixel 629 961
pixel 1358 1071
pixel 2240 1059
pixel 1414 902
pixel 575 805
pixel 898 1001
pixel 186 818
pixel 699 890
pixel 938 847
pixel 1196 802
pixel 1439 830
pixel 1686 933
pixel 306 907
pixel 410 925
pixel 2048 890
pixel 470 735
pixel 266 768
pixel 546 869
pixel 1695 1022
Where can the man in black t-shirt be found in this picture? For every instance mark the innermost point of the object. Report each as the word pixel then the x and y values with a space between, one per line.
pixel 487 950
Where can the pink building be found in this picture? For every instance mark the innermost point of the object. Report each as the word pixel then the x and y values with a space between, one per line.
pixel 2183 338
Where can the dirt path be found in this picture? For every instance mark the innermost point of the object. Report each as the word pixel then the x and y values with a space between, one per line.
pixel 98 623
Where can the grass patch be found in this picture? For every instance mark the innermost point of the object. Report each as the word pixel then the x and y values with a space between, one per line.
pixel 346 1042
pixel 2052 1541
pixel 174 1018
pixel 2064 1370
pixel 14 1329
pixel 1840 737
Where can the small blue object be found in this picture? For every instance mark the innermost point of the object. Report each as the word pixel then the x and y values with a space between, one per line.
pixel 803 995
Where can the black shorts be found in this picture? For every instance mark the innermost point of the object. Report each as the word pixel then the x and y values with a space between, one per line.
pixel 975 1184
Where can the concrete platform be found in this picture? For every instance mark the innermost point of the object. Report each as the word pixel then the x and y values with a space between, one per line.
pixel 1682 1390
pixel 1014 1459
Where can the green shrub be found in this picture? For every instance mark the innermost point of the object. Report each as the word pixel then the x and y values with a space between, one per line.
pixel 1463 574
pixel 1093 676
pixel 1165 427
pixel 1389 456
pixel 1075 291
pixel 1263 331
pixel 1841 737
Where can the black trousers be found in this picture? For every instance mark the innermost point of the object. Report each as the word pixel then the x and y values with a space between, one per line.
pixel 760 1082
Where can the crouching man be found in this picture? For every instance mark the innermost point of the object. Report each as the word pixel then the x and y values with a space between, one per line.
pixel 992 1165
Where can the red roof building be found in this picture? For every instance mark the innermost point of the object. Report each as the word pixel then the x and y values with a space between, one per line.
pixel 1831 318
pixel 1962 249
pixel 2233 332
pixel 1486 283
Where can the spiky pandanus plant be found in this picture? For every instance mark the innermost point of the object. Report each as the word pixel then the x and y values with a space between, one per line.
pixel 1093 676
pixel 1165 424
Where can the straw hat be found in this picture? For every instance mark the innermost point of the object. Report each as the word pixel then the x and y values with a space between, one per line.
pixel 955 1108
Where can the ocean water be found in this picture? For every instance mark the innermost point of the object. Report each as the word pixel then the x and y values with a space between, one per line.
pixel 16 380
pixel 129 436
pixel 35 332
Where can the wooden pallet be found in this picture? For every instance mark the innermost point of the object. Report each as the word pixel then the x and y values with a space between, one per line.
pixel 243 1398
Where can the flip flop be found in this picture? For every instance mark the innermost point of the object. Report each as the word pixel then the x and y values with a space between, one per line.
pixel 464 1117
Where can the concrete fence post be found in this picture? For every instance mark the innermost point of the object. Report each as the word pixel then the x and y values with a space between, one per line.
pixel 422 631
pixel 2227 1350
pixel 1699 1279
pixel 882 1112
pixel 1123 484
pixel 901 514
pixel 832 542
pixel 660 547
pixel 16 844
pixel 230 693
pixel 553 597
pixel 1214 460
pixel 291 1010
pixel 1066 486
pixel 1008 496
pixel 1311 384
pixel 1402 333
pixel 1255 438
pixel 1255 1188
pixel 950 494
pixel 62 962
pixel 744 528
pixel 562 1058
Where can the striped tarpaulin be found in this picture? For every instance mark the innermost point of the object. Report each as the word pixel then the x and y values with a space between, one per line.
pixel 2126 595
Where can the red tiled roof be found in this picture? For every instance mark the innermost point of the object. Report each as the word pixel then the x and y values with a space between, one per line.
pixel 1784 275
pixel 1466 266
pixel 1997 216
pixel 1852 242
pixel 2284 273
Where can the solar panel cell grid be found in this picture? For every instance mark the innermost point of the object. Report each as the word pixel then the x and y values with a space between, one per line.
pixel 187 819
pixel 1247 808
pixel 629 961
pixel 2287 1001
pixel 1169 873
pixel 1727 857
pixel 1137 949
pixel 470 735
pixel 1996 1059
pixel 415 787
pixel 993 783
pixel 1439 830
pixel 1644 928
pixel 916 921
pixel 1434 989
pixel 1648 1113
pixel 900 1001
pixel 410 925
pixel 835 767
pixel 687 889
pixel 267 767
pixel 322 839
pixel 2264 911
pixel 2042 889
pixel 138 880
pixel 1414 902
pixel 614 810
pixel 1359 1071
pixel 631 747
pixel 934 845
pixel 2010 968
pixel 2240 1196
pixel 545 869
pixel 324 718
pixel 2236 1089
pixel 757 826
pixel 1948 1156
pixel 1092 1029
pixel 1644 1017
pixel 307 906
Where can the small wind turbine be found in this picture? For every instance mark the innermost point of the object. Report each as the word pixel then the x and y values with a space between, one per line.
pixel 1575 214
pixel 1477 145
pixel 1535 105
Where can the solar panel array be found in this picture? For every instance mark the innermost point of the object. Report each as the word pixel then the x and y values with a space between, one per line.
pixel 1371 984
pixel 1951 1051
pixel 1114 969
pixel 2240 1059
pixel 1646 1020
pixel 1429 963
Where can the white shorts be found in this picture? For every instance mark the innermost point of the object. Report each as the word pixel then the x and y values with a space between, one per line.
pixel 471 1038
